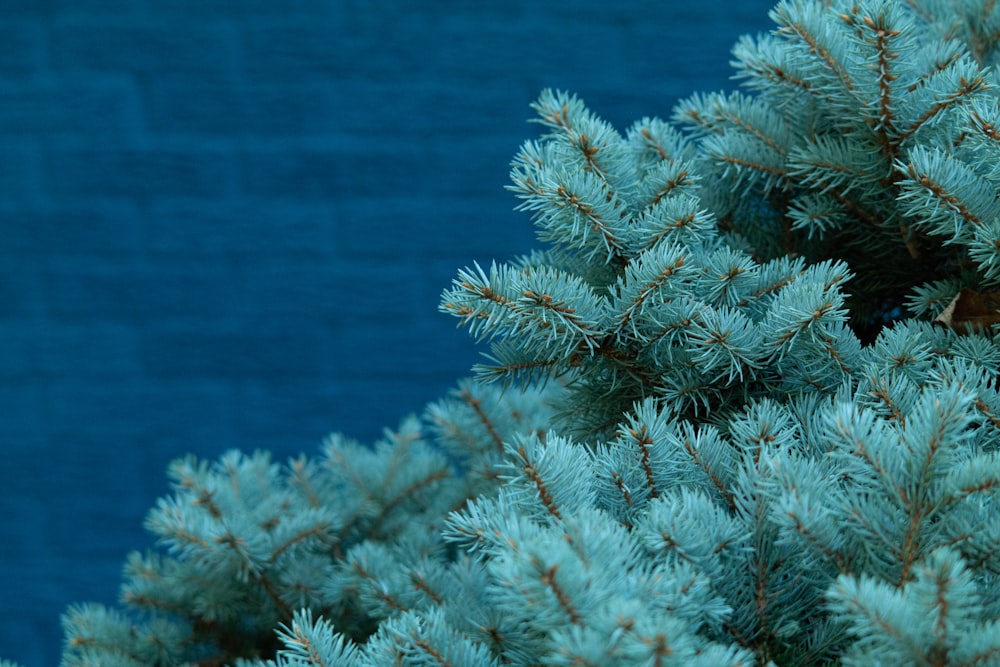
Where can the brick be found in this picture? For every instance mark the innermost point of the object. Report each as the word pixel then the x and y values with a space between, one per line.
pixel 25 8
pixel 196 415
pixel 307 10
pixel 368 405
pixel 483 175
pixel 20 358
pixel 103 108
pixel 420 162
pixel 363 350
pixel 430 115
pixel 193 293
pixel 423 227
pixel 102 230
pixel 289 294
pixel 27 565
pixel 133 411
pixel 24 538
pixel 89 171
pixel 106 9
pixel 249 228
pixel 91 529
pixel 379 228
pixel 117 406
pixel 185 46
pixel 361 294
pixel 180 107
pixel 335 173
pixel 203 294
pixel 21 49
pixel 368 43
pixel 271 412
pixel 297 229
pixel 299 53
pixel 200 231
pixel 268 349
pixel 21 289
pixel 304 294
pixel 416 349
pixel 87 289
pixel 96 349
pixel 20 180
pixel 365 47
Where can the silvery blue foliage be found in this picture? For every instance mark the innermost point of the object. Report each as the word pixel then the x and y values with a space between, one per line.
pixel 708 433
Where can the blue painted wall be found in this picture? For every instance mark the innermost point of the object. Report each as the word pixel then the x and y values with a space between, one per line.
pixel 226 224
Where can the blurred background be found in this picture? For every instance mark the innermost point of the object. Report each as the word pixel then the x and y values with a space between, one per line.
pixel 227 223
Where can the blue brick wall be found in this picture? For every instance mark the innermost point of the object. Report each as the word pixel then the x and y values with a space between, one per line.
pixel 226 223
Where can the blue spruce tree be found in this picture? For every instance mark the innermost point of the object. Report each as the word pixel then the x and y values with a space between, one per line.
pixel 743 410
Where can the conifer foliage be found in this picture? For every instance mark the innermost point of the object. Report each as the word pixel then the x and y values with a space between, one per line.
pixel 707 434
pixel 872 137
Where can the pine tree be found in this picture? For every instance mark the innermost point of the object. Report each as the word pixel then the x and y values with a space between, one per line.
pixel 872 138
pixel 742 410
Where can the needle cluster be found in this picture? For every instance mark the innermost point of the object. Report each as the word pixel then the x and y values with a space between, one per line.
pixel 742 409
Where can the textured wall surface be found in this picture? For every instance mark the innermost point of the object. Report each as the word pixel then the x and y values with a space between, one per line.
pixel 226 224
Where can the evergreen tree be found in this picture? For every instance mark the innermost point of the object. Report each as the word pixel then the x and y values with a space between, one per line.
pixel 743 410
